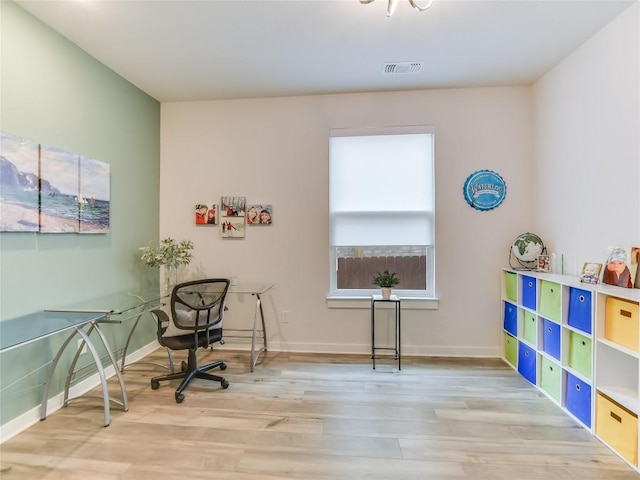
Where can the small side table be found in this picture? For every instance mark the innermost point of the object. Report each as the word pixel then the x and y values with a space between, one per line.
pixel 394 349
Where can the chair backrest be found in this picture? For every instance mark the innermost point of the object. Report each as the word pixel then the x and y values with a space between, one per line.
pixel 199 305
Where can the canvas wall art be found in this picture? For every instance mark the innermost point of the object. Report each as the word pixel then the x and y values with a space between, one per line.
pixel 206 215
pixel 19 196
pixel 260 214
pixel 94 197
pixel 50 190
pixel 232 215
pixel 59 190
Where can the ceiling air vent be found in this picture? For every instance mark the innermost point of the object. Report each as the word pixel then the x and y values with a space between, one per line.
pixel 398 68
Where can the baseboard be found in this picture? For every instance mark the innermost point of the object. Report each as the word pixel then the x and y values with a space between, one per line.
pixel 31 417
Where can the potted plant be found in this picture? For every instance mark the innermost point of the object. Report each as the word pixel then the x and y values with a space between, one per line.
pixel 169 253
pixel 386 281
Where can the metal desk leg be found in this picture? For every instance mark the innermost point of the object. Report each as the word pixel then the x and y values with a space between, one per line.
pixel 255 354
pixel 98 362
pixel 123 388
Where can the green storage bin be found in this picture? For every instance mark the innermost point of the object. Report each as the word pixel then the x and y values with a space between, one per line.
pixel 580 353
pixel 511 286
pixel 530 330
pixel 550 300
pixel 550 377
pixel 511 349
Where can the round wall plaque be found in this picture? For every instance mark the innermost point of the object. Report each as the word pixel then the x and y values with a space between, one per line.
pixel 484 190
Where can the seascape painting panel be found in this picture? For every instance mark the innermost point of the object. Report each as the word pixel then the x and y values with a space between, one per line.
pixel 59 191
pixel 18 184
pixel 94 196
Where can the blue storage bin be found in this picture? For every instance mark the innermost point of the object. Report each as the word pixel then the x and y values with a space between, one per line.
pixel 580 309
pixel 578 399
pixel 527 362
pixel 551 338
pixel 529 292
pixel 511 318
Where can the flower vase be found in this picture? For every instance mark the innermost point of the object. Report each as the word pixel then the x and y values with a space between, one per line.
pixel 386 293
pixel 171 277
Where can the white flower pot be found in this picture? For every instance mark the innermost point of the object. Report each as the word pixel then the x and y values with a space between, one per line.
pixel 386 293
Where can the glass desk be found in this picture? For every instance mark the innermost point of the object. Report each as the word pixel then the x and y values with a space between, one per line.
pixel 120 307
pixel 256 333
pixel 26 329
pixel 113 308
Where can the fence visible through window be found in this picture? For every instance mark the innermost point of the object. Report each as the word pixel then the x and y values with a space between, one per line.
pixel 358 272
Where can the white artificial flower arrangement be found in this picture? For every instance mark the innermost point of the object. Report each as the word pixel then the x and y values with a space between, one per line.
pixel 169 252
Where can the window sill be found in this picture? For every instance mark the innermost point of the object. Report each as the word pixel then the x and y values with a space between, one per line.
pixel 408 303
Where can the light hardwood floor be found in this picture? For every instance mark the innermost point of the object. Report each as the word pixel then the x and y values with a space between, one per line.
pixel 319 417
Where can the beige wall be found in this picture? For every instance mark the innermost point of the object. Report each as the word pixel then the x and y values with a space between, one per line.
pixel 276 151
pixel 587 166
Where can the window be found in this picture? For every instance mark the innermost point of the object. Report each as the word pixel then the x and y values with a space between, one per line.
pixel 381 209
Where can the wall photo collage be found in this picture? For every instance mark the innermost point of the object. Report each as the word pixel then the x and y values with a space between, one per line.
pixel 233 215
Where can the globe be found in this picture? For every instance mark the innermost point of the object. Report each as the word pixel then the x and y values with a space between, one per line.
pixel 526 248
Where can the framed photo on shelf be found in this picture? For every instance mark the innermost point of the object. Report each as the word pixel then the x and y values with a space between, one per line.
pixel 590 272
pixel 544 263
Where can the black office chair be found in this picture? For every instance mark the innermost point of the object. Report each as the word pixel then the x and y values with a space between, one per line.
pixel 197 308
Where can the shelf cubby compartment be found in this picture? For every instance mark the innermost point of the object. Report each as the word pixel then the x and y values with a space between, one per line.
pixel 580 310
pixel 578 398
pixel 510 318
pixel 527 362
pixel 551 338
pixel 621 322
pixel 577 349
pixel 528 327
pixel 511 286
pixel 550 377
pixel 617 427
pixel 511 349
pixel 528 287
pixel 617 374
pixel 550 305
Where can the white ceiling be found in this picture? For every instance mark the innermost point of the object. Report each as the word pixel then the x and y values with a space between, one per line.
pixel 177 50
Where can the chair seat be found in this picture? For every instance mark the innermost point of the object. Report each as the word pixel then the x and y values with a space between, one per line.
pixel 185 342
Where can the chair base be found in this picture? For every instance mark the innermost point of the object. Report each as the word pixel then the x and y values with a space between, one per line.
pixel 192 371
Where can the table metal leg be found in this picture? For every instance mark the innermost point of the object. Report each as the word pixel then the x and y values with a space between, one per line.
pixel 98 362
pixel 256 353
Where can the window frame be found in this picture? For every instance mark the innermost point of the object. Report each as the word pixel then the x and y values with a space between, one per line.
pixel 430 292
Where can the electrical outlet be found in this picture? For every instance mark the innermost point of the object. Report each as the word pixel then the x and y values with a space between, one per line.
pixel 83 345
pixel 284 316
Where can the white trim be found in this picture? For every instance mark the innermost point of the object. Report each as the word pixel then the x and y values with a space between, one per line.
pixel 408 303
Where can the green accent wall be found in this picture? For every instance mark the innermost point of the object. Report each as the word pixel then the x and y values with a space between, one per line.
pixel 54 93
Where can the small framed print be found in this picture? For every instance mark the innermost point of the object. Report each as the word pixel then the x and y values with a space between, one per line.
pixel 544 263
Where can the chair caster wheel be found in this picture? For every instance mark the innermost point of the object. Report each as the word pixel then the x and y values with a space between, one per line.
pixel 223 366
pixel 155 384
pixel 225 384
pixel 179 397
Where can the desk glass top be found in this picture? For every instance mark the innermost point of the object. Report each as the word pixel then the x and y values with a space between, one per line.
pixel 250 288
pixel 29 328
pixel 117 303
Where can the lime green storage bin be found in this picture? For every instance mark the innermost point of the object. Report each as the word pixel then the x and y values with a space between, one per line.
pixel 550 378
pixel 530 328
pixel 580 353
pixel 550 298
pixel 511 286
pixel 511 349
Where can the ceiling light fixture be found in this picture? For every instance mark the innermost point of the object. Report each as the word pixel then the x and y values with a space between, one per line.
pixel 391 6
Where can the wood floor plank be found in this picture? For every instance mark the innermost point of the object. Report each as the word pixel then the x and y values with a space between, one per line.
pixel 317 417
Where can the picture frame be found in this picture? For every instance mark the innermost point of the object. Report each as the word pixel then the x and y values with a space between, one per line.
pixel 590 272
pixel 544 263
